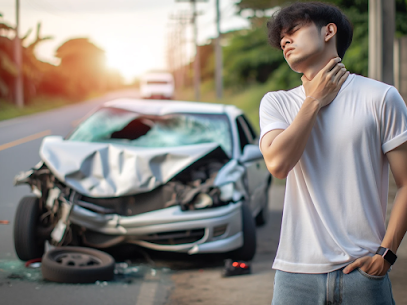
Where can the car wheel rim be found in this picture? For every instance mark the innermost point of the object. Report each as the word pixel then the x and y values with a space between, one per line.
pixel 77 260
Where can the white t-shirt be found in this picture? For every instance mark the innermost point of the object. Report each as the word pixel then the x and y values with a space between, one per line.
pixel 336 195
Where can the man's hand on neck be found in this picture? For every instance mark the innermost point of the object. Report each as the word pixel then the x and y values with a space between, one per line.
pixel 326 83
pixel 312 70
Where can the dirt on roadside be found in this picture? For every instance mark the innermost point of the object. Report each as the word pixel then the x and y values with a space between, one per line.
pixel 207 287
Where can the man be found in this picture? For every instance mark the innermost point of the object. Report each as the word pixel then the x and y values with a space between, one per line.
pixel 333 138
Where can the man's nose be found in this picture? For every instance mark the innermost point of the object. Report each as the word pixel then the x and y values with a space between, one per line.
pixel 285 42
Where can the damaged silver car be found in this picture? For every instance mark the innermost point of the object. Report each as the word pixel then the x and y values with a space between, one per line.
pixel 168 176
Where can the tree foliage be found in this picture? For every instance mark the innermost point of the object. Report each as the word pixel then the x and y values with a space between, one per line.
pixel 8 69
pixel 249 58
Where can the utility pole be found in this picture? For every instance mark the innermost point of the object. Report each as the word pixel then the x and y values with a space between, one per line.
pixel 169 49
pixel 218 56
pixel 180 47
pixel 381 39
pixel 197 72
pixel 19 93
pixel 182 18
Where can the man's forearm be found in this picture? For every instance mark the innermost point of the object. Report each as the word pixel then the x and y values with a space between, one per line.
pixel 283 152
pixel 397 226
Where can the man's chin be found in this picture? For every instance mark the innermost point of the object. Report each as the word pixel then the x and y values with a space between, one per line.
pixel 295 66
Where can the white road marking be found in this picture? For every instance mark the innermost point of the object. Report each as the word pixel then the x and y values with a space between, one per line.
pixel 25 139
pixel 147 293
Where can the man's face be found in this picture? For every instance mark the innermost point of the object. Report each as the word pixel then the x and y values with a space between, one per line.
pixel 302 45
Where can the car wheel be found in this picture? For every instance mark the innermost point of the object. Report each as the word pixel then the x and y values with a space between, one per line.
pixel 262 217
pixel 27 244
pixel 248 250
pixel 77 265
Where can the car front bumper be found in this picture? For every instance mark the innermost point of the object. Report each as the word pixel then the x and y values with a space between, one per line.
pixel 221 227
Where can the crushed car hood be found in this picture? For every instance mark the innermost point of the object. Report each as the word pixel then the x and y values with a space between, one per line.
pixel 102 170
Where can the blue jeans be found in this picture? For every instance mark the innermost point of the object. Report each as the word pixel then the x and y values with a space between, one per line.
pixel 355 288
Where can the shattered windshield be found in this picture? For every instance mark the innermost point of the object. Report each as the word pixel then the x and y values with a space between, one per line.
pixel 120 126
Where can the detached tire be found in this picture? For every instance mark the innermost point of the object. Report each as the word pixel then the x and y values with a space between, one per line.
pixel 248 250
pixel 77 265
pixel 27 244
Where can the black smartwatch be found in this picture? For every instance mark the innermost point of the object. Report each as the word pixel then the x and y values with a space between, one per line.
pixel 387 254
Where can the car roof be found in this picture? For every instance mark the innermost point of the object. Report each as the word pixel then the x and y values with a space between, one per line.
pixel 157 75
pixel 160 107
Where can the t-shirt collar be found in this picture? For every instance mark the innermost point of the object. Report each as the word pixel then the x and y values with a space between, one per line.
pixel 345 84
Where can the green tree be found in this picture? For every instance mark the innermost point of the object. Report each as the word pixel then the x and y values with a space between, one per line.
pixel 32 69
pixel 8 69
pixel 251 59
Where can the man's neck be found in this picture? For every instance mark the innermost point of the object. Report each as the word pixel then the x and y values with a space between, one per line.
pixel 317 66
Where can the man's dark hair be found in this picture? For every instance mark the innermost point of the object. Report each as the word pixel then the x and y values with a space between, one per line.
pixel 305 13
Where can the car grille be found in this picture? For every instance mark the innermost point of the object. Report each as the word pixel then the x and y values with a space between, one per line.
pixel 174 237
pixel 129 205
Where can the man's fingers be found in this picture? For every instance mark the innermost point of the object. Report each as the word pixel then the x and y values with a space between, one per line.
pixel 336 70
pixel 356 264
pixel 343 78
pixel 339 75
pixel 331 64
pixel 349 268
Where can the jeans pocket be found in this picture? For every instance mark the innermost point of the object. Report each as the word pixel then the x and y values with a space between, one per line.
pixel 372 277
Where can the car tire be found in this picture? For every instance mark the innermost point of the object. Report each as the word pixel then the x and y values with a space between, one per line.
pixel 248 250
pixel 26 242
pixel 263 216
pixel 77 265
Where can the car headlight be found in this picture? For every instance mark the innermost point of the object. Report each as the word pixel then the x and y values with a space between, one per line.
pixel 202 201
pixel 226 191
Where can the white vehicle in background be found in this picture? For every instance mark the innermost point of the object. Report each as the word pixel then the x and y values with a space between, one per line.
pixel 157 85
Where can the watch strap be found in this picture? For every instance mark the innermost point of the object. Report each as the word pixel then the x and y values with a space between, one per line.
pixel 387 254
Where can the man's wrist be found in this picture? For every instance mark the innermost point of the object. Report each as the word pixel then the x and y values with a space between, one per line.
pixel 387 254
pixel 316 103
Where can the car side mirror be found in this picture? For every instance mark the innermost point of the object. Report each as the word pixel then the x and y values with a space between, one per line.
pixel 250 153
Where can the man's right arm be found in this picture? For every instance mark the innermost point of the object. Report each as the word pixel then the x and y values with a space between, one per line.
pixel 283 148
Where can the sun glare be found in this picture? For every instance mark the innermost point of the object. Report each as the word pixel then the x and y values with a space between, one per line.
pixel 130 60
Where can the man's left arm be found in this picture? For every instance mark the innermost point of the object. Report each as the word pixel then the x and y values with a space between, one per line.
pixel 397 227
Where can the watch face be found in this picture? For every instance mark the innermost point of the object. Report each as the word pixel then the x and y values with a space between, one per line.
pixel 387 254
pixel 390 257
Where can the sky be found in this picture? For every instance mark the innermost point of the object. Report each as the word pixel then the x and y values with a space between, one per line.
pixel 133 33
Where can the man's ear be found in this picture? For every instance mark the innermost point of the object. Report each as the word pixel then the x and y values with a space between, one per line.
pixel 330 31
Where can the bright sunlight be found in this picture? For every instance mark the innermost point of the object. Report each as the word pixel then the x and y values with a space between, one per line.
pixel 131 59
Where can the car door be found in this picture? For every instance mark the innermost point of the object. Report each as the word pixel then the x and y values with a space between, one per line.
pixel 257 175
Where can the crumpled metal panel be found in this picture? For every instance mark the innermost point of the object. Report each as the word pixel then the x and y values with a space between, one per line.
pixel 232 173
pixel 103 170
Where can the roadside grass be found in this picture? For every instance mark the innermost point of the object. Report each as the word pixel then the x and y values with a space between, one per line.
pixel 9 110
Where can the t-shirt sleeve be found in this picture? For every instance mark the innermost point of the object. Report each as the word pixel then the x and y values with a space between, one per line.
pixel 393 122
pixel 270 115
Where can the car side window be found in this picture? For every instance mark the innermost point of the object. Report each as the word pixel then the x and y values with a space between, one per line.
pixel 251 130
pixel 243 131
